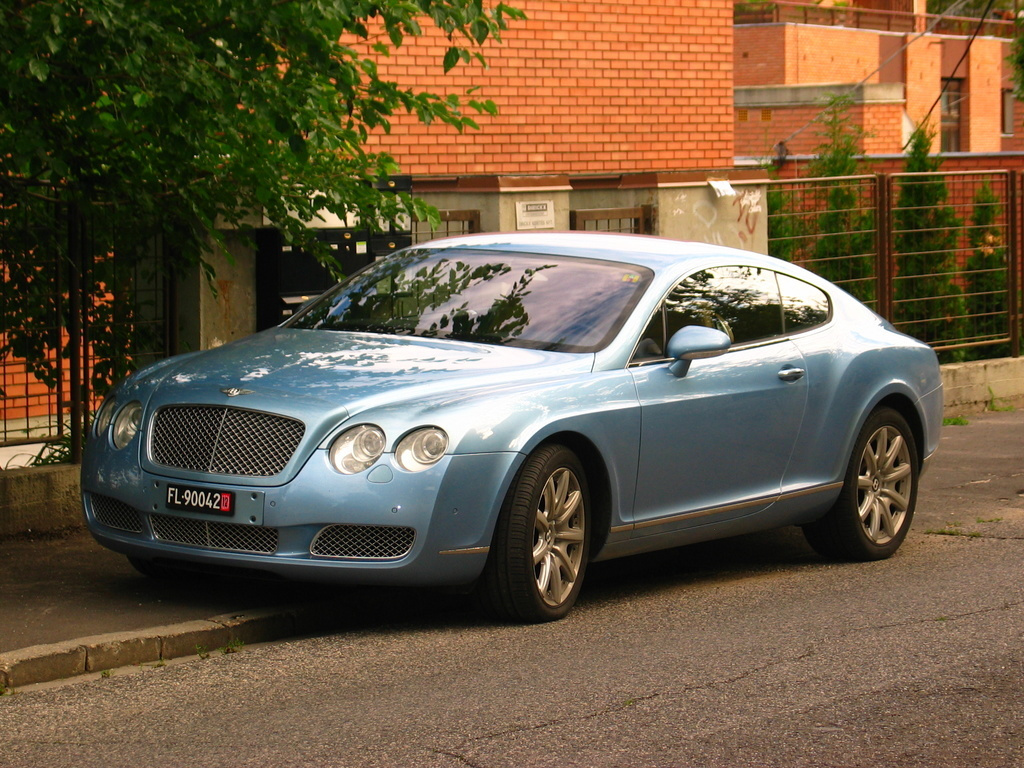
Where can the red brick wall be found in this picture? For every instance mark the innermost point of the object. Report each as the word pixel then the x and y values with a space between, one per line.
pixel 833 55
pixel 893 164
pixel 25 396
pixel 761 54
pixel 884 126
pixel 794 54
pixel 1015 141
pixel 982 125
pixel 756 136
pixel 923 66
pixel 602 87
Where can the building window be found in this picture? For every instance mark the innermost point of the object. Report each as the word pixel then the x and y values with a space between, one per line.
pixel 952 96
pixel 742 115
pixel 1008 112
pixel 766 115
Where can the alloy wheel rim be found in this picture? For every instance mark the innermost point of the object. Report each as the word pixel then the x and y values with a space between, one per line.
pixel 559 531
pixel 884 485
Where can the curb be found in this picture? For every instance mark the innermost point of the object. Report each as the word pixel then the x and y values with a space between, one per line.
pixel 57 661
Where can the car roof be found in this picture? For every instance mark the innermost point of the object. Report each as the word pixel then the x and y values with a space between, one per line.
pixel 656 253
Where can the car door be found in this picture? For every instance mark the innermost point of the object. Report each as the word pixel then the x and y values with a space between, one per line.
pixel 716 441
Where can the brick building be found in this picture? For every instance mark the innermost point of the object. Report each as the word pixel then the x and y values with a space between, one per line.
pixel 595 87
pixel 893 60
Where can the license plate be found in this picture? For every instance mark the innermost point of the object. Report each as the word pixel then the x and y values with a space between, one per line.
pixel 200 500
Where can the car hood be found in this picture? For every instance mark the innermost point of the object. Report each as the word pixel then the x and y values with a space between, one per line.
pixel 294 371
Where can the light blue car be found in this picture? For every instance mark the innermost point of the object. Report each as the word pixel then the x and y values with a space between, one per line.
pixel 494 412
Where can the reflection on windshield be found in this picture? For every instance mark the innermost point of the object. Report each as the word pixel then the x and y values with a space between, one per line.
pixel 541 302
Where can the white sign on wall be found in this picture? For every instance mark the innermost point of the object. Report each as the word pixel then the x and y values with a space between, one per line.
pixel 536 214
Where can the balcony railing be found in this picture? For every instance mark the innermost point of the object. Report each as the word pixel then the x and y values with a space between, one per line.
pixel 863 18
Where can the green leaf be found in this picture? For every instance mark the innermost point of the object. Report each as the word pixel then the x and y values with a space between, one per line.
pixel 451 58
pixel 40 69
pixel 297 144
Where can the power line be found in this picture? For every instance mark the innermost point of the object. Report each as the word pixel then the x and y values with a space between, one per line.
pixel 951 10
pixel 963 56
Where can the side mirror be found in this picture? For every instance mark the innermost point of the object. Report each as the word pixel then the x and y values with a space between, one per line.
pixel 695 342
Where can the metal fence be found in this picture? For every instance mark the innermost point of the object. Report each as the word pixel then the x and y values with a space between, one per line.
pixel 935 253
pixel 76 314
pixel 638 220
pixel 453 223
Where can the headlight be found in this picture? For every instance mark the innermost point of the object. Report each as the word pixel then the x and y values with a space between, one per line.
pixel 103 416
pixel 421 449
pixel 126 423
pixel 357 449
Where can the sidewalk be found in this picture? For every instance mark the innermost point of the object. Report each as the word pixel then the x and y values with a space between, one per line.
pixel 68 606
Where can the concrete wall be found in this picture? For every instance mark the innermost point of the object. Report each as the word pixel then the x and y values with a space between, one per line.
pixel 46 499
pixel 720 207
pixel 223 308
pixel 39 499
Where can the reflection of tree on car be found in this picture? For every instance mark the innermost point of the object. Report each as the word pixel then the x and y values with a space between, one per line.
pixel 744 303
pixel 510 299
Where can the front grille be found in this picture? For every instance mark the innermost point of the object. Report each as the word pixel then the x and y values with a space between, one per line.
pixel 364 542
pixel 115 514
pixel 224 441
pixel 214 535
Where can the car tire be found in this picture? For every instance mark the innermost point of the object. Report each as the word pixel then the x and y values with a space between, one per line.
pixel 541 543
pixel 872 515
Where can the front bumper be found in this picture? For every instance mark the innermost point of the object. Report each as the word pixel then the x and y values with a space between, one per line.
pixel 385 526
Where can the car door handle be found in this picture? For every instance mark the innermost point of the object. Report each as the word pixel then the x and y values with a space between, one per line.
pixel 792 374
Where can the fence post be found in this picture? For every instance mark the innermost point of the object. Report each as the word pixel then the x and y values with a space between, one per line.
pixel 75 256
pixel 1013 263
pixel 883 244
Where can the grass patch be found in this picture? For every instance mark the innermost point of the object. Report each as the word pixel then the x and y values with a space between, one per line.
pixel 997 404
pixel 955 421
pixel 954 529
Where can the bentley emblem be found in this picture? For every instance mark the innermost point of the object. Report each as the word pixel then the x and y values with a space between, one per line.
pixel 235 391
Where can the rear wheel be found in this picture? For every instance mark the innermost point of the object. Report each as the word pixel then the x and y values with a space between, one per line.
pixel 542 541
pixel 872 515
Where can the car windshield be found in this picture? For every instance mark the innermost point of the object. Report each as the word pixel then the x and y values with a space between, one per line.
pixel 537 301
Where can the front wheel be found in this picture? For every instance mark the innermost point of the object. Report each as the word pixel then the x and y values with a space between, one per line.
pixel 542 541
pixel 872 515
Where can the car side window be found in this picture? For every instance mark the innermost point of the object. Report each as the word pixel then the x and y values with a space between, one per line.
pixel 803 305
pixel 743 302
pixel 746 303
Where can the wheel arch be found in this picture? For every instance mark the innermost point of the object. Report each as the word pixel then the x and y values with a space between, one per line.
pixel 598 483
pixel 904 406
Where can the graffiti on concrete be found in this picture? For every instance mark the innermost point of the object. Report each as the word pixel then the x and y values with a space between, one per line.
pixel 711 220
pixel 748 205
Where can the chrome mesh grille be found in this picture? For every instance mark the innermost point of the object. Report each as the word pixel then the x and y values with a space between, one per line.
pixel 364 542
pixel 115 514
pixel 214 535
pixel 224 441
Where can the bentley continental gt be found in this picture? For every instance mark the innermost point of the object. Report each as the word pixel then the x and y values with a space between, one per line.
pixel 494 412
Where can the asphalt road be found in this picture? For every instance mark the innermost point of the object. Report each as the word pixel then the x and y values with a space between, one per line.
pixel 750 652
